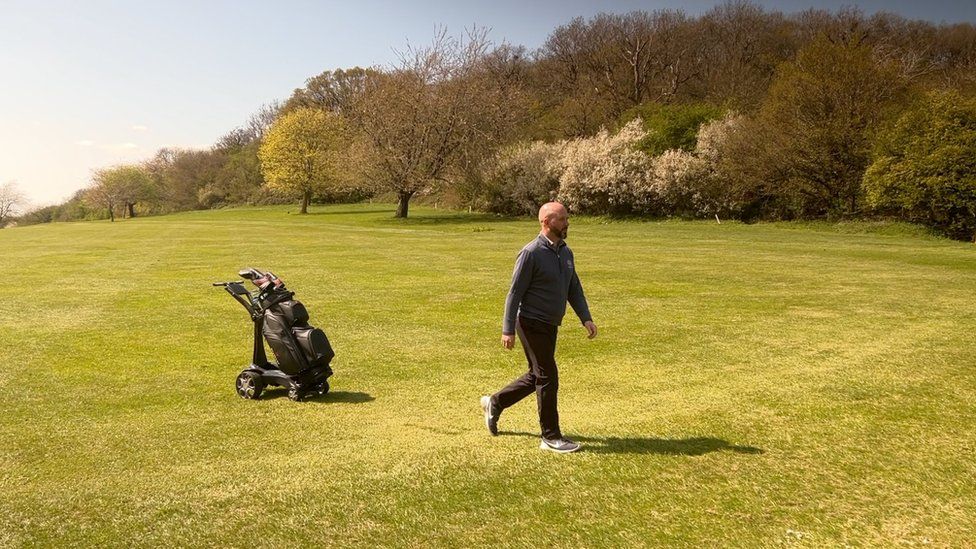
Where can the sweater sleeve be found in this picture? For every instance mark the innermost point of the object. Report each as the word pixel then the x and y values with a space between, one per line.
pixel 578 300
pixel 521 277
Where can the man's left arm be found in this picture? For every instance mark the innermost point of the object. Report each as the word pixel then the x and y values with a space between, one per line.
pixel 578 301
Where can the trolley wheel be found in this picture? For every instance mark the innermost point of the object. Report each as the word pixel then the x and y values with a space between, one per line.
pixel 295 393
pixel 322 388
pixel 249 385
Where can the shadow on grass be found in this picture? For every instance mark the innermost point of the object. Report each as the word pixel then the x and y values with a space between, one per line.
pixel 348 397
pixel 459 218
pixel 350 211
pixel 695 446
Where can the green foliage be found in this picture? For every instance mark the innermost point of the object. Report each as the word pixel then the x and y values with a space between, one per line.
pixel 239 179
pixel 303 153
pixel 671 126
pixel 925 165
pixel 815 87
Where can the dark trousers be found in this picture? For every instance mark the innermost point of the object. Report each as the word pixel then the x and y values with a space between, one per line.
pixel 539 342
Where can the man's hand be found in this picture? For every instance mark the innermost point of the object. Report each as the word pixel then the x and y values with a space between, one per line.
pixel 590 329
pixel 508 341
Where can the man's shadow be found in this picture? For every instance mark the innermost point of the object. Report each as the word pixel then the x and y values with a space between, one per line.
pixel 694 446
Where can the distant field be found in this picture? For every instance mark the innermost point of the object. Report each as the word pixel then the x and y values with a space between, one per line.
pixel 752 385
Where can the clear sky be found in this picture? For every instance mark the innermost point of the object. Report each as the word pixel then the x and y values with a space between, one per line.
pixel 87 84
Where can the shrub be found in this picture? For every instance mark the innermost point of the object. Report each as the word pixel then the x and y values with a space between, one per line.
pixel 677 177
pixel 606 174
pixel 520 178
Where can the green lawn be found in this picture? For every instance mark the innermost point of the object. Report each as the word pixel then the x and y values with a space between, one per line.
pixel 752 385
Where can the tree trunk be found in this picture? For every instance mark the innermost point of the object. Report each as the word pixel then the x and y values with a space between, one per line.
pixel 111 214
pixel 306 197
pixel 403 204
pixel 131 206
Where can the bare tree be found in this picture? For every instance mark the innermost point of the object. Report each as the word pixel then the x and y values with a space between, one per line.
pixel 262 120
pixel 743 44
pixel 252 130
pixel 334 91
pixel 597 69
pixel 11 201
pixel 421 118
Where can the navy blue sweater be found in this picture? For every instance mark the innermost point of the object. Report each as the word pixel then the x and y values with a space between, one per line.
pixel 543 281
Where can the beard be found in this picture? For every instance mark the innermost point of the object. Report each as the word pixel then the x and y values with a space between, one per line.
pixel 564 233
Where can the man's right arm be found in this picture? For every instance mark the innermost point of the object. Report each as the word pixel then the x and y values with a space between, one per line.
pixel 521 278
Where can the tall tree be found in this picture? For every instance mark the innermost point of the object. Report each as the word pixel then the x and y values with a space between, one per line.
pixel 303 152
pixel 104 191
pixel 810 143
pixel 597 69
pixel 333 91
pixel 742 45
pixel 423 118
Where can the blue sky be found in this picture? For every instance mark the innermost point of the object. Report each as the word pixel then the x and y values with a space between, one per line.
pixel 94 83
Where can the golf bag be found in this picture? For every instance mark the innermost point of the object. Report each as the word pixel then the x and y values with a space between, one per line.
pixel 295 344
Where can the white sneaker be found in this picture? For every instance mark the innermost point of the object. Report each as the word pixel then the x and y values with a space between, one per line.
pixel 491 421
pixel 560 445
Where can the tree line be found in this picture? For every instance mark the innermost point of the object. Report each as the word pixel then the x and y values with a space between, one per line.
pixel 740 112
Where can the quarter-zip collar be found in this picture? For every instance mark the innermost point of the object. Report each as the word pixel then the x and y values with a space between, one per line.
pixel 552 245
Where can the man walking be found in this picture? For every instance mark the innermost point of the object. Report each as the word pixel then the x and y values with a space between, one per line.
pixel 543 281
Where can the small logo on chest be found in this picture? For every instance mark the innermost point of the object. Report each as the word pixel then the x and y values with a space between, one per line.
pixel 569 263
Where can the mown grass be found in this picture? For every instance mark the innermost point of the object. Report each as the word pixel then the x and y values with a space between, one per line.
pixel 752 385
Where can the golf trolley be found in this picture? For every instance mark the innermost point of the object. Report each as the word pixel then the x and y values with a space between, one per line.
pixel 303 352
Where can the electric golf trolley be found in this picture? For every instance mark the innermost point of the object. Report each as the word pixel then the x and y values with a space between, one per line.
pixel 303 352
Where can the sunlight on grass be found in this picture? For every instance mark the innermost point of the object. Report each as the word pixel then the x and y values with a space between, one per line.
pixel 752 385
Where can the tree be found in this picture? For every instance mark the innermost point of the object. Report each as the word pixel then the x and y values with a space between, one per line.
pixel 592 71
pixel 103 192
pixel 252 130
pixel 924 166
pixel 238 180
pixel 135 185
pixel 807 148
pixel 121 185
pixel 180 176
pixel 11 201
pixel 432 113
pixel 333 91
pixel 743 46
pixel 302 153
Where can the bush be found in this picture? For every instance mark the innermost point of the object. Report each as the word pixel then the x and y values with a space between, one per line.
pixel 924 167
pixel 607 174
pixel 520 178
pixel 678 177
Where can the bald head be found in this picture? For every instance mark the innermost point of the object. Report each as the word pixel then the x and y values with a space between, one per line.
pixel 550 209
pixel 554 221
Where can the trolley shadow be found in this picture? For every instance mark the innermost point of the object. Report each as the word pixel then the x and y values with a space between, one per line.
pixel 345 397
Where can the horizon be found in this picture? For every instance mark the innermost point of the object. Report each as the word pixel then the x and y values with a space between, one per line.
pixel 103 84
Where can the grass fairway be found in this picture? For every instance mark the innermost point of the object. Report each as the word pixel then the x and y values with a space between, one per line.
pixel 755 385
